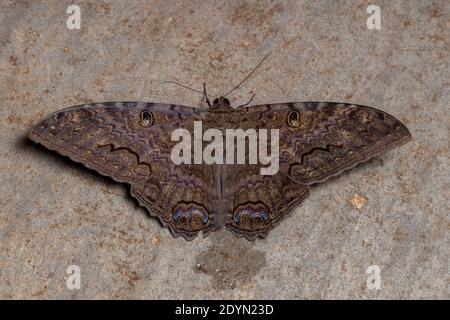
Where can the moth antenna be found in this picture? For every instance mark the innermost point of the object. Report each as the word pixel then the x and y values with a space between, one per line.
pixel 246 104
pixel 248 76
pixel 182 85
pixel 206 95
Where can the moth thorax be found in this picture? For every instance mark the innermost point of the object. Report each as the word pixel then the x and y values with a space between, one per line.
pixel 221 102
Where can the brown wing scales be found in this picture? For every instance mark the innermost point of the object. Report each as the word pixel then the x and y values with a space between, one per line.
pixel 110 139
pixel 317 141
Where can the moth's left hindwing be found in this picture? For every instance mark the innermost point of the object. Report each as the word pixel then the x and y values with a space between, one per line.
pixel 131 142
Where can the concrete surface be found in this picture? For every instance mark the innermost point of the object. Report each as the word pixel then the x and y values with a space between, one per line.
pixel 55 214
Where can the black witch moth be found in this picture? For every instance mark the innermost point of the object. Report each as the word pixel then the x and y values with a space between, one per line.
pixel 131 142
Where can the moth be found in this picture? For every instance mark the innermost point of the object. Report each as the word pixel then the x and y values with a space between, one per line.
pixel 131 142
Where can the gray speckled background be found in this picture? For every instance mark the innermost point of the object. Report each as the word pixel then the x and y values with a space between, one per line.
pixel 54 213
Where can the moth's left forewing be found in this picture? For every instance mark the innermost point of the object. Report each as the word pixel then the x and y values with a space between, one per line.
pixel 110 138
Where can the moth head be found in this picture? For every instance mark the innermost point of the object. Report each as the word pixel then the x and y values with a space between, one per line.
pixel 221 101
pixel 293 119
pixel 146 118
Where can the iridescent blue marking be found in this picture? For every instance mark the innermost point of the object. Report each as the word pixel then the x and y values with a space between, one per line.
pixel 189 213
pixel 252 213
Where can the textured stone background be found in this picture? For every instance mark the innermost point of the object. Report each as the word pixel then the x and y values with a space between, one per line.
pixel 55 213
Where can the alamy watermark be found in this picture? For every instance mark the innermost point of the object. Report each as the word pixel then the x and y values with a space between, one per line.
pixel 374 280
pixel 221 150
pixel 73 280
pixel 374 20
pixel 73 21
